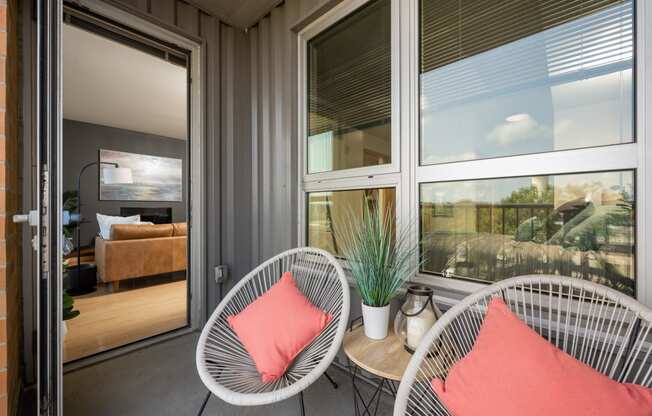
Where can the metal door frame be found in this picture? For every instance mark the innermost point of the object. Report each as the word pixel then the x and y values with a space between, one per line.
pixel 48 236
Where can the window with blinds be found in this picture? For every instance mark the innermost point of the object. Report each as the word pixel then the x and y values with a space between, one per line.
pixel 452 30
pixel 349 91
pixel 513 77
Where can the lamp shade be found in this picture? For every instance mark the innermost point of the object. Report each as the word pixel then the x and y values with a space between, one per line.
pixel 117 176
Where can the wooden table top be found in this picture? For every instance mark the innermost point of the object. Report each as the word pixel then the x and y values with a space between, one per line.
pixel 384 358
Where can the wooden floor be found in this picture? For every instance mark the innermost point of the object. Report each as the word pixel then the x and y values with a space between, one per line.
pixel 110 320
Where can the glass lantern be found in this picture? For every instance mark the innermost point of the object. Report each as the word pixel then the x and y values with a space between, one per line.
pixel 416 316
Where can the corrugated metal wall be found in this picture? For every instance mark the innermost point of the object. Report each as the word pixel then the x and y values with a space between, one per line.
pixel 236 168
pixel 274 165
pixel 273 69
pixel 186 19
pixel 251 153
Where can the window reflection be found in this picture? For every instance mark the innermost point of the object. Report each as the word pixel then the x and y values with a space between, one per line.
pixel 567 87
pixel 329 210
pixel 349 92
pixel 579 225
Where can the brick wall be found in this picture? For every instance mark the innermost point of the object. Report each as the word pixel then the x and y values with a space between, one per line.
pixel 10 238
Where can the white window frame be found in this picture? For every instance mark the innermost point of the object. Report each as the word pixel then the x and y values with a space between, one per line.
pixel 406 174
pixel 381 176
pixel 330 18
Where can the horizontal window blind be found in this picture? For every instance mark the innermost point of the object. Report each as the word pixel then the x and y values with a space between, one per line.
pixel 349 72
pixel 452 30
pixel 590 46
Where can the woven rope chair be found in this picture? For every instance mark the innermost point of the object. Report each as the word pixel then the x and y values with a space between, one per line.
pixel 597 325
pixel 224 365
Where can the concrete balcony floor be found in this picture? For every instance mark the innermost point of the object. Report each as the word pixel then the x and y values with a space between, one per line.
pixel 162 380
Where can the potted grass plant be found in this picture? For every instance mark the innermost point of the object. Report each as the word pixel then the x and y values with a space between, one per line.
pixel 381 259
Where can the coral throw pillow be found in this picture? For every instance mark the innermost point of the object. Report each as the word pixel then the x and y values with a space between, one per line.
pixel 512 371
pixel 276 327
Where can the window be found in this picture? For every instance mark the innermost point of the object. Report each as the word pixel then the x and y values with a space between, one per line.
pixel 579 225
pixel 517 147
pixel 327 209
pixel 349 92
pixel 525 77
pixel 525 81
pixel 347 132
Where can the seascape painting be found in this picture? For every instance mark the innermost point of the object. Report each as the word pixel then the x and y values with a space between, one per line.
pixel 155 178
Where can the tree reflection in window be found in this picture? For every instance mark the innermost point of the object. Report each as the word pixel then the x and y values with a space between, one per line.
pixel 573 225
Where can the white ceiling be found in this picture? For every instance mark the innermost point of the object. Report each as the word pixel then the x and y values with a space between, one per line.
pixel 108 83
pixel 240 13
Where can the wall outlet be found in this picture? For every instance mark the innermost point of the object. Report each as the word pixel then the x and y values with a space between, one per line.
pixel 221 273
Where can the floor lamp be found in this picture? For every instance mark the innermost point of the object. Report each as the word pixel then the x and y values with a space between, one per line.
pixel 84 277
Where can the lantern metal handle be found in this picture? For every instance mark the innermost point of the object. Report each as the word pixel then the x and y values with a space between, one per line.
pixel 425 305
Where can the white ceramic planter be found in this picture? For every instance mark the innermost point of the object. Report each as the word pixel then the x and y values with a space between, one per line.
pixel 376 321
pixel 64 331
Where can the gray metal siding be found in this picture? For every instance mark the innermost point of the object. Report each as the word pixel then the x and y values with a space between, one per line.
pixel 251 129
pixel 187 19
pixel 273 108
pixel 273 126
pixel 210 32
pixel 163 10
pixel 236 153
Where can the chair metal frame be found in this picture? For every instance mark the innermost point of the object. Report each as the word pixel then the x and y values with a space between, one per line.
pixel 224 365
pixel 601 327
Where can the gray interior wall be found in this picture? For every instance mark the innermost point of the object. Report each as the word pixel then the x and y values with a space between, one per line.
pixel 81 144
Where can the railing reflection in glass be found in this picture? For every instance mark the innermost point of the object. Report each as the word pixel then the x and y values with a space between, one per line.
pixel 579 225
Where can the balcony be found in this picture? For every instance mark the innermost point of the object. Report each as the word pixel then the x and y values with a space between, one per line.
pixel 172 162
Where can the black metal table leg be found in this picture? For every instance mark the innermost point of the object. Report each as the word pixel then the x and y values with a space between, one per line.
pixel 203 405
pixel 303 407
pixel 335 385
pixel 361 406
pixel 392 388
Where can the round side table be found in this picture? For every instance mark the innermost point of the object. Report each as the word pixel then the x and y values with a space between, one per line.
pixel 385 359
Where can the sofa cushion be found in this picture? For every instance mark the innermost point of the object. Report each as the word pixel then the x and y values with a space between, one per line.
pixel 106 221
pixel 512 370
pixel 180 228
pixel 137 231
pixel 277 326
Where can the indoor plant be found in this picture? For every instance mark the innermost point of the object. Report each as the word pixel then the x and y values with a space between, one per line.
pixel 381 258
pixel 70 205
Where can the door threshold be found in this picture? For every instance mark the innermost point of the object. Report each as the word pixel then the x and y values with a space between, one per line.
pixel 126 349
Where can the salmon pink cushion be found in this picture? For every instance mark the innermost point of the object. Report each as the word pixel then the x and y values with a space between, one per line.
pixel 277 326
pixel 513 371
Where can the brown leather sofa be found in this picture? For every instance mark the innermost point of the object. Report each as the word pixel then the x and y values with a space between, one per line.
pixel 138 250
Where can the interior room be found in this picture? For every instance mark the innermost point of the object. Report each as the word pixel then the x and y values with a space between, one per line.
pixel 325 207
pixel 124 110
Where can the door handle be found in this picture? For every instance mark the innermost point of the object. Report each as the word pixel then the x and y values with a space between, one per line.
pixel 31 218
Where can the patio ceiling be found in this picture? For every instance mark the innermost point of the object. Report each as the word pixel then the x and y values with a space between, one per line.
pixel 242 13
